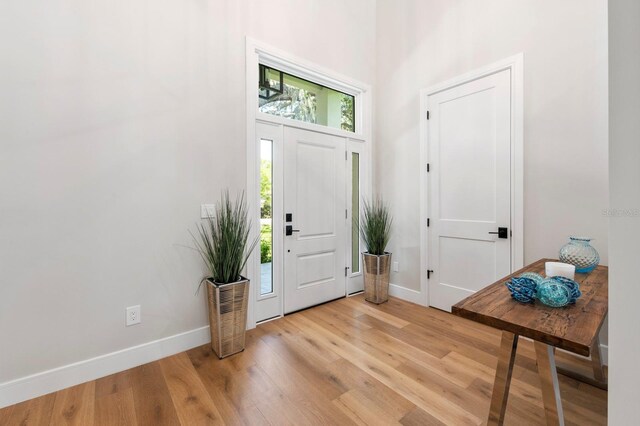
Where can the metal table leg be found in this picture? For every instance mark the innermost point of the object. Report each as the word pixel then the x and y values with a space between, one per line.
pixel 506 359
pixel 549 382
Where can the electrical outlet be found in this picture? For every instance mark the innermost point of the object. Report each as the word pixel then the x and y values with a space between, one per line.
pixel 133 315
pixel 395 267
pixel 207 210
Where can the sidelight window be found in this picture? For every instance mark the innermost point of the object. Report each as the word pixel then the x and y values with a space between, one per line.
pixel 266 216
pixel 355 209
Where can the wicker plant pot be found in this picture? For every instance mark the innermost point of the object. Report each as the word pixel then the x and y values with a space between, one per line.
pixel 376 277
pixel 228 316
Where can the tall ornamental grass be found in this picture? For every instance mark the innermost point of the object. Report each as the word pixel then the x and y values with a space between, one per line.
pixel 223 240
pixel 376 226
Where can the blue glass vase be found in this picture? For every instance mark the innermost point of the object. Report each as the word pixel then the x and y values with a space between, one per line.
pixel 580 253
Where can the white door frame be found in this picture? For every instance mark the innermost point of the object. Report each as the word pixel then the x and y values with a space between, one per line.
pixel 258 52
pixel 516 65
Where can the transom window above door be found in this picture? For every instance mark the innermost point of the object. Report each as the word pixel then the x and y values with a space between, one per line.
pixel 288 96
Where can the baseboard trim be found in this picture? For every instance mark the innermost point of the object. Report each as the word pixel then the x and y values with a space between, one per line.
pixel 407 294
pixel 35 385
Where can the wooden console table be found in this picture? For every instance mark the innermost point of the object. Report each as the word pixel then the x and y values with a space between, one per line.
pixel 574 328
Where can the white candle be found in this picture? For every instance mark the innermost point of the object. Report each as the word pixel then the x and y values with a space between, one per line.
pixel 558 269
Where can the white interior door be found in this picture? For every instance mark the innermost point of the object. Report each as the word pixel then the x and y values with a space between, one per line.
pixel 469 138
pixel 314 196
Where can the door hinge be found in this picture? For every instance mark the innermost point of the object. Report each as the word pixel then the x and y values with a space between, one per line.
pixel 428 222
pixel 429 272
pixel 428 167
pixel 427 115
pixel 345 214
pixel 346 269
pixel 345 156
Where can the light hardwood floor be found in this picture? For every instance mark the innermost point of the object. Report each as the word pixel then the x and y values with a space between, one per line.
pixel 345 362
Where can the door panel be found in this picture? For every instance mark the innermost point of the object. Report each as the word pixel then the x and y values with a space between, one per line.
pixel 315 189
pixel 478 265
pixel 316 268
pixel 469 187
pixel 467 154
pixel 314 194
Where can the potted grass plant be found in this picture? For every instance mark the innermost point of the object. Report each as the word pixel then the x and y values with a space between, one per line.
pixel 376 232
pixel 223 244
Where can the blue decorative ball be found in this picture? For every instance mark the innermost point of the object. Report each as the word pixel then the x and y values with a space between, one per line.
pixel 537 278
pixel 522 289
pixel 553 293
pixel 572 286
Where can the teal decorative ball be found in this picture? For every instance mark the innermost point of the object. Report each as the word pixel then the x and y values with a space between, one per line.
pixel 553 293
pixel 572 286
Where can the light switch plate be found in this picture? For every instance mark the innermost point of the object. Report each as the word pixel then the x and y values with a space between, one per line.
pixel 207 210
pixel 395 267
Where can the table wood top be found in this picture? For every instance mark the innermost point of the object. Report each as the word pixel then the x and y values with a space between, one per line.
pixel 573 327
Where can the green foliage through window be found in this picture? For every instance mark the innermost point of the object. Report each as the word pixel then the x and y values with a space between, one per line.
pixel 265 189
pixel 265 244
pixel 266 203
pixel 266 215
pixel 347 114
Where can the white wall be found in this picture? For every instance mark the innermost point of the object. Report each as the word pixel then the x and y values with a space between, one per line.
pixel 117 119
pixel 624 230
pixel 423 42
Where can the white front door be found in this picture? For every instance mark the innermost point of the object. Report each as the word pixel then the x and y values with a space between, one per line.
pixel 314 197
pixel 469 140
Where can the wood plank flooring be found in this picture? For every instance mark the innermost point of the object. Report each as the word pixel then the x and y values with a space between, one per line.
pixel 345 362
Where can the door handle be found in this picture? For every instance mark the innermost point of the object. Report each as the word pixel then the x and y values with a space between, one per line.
pixel 502 233
pixel 288 230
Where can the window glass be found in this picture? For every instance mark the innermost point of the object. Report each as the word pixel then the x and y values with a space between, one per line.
pixel 288 96
pixel 266 217
pixel 355 212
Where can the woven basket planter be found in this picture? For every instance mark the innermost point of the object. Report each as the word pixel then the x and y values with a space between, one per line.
pixel 228 316
pixel 376 277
